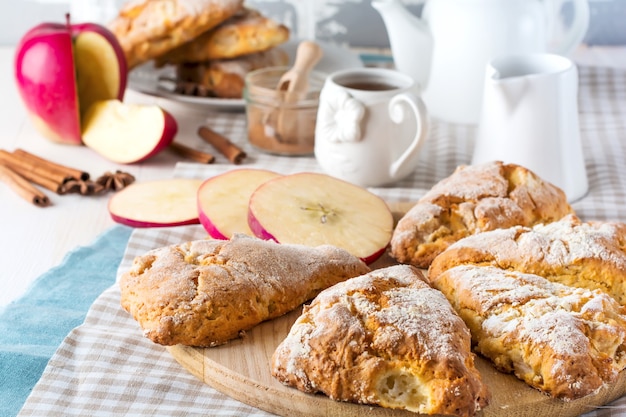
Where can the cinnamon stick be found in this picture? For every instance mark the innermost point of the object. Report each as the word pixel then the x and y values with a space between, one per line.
pixel 33 173
pixel 71 173
pixel 231 151
pixel 196 155
pixel 22 187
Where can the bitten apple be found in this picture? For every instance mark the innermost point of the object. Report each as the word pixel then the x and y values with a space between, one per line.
pixel 61 69
pixel 223 201
pixel 314 209
pixel 157 203
pixel 127 133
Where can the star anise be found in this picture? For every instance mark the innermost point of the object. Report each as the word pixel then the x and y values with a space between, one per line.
pixel 185 87
pixel 115 181
pixel 83 187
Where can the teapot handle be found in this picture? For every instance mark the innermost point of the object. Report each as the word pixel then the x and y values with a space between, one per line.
pixel 578 29
pixel 396 113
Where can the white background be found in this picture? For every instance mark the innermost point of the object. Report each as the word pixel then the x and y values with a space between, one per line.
pixel 352 22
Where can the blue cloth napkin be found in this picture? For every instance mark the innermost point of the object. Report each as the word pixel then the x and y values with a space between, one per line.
pixel 32 327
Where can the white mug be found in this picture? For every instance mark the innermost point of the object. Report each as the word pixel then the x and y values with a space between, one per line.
pixel 370 126
pixel 530 117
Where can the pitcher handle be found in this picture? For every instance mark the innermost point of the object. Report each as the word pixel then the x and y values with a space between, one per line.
pixel 577 31
pixel 396 113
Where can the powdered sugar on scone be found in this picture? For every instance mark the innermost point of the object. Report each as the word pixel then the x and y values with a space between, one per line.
pixel 572 239
pixel 474 199
pixel 581 254
pixel 470 182
pixel 146 29
pixel 207 292
pixel 384 338
pixel 196 7
pixel 566 341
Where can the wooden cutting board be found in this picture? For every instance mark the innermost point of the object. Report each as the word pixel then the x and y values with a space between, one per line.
pixel 241 370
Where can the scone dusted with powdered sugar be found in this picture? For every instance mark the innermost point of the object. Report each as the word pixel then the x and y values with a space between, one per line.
pixel 545 302
pixel 474 199
pixel 385 338
pixel 247 32
pixel 567 342
pixel 572 252
pixel 225 78
pixel 207 292
pixel 147 29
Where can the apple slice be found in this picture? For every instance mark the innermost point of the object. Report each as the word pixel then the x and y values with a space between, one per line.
pixel 223 201
pixel 100 70
pixel 314 209
pixel 127 133
pixel 156 203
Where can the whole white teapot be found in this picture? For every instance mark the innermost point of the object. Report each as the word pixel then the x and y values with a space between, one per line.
pixel 447 50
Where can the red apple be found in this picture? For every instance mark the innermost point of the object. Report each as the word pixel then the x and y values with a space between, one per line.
pixel 61 69
pixel 127 133
pixel 314 209
pixel 223 201
pixel 157 203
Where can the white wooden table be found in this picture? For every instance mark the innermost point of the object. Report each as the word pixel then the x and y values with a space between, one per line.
pixel 33 239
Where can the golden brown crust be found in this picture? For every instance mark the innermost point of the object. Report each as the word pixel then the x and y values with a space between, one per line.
pixel 565 341
pixel 245 33
pixel 149 28
pixel 226 78
pixel 384 338
pixel 207 292
pixel 474 199
pixel 545 303
pixel 581 254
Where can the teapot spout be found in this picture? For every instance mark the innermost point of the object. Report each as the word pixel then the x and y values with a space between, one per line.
pixel 410 39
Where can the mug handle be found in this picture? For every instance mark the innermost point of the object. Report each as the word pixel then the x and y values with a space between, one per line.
pixel 396 113
pixel 577 31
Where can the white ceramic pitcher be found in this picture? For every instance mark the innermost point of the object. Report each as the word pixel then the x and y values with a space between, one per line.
pixel 447 49
pixel 530 117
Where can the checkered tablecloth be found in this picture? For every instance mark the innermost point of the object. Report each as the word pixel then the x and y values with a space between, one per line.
pixel 105 367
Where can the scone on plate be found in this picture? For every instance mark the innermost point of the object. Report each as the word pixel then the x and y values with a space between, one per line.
pixel 245 33
pixel 207 292
pixel 569 251
pixel 225 78
pixel 385 338
pixel 147 29
pixel 474 199
pixel 567 342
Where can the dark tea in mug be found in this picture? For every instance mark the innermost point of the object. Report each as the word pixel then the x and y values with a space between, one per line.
pixel 369 85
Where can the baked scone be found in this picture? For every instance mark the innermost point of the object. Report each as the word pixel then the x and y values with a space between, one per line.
pixel 567 342
pixel 385 338
pixel 473 199
pixel 147 29
pixel 207 292
pixel 226 78
pixel 581 254
pixel 245 33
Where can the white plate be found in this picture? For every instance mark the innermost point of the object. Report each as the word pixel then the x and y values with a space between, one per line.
pixel 146 78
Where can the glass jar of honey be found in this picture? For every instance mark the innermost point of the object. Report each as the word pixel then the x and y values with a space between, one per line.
pixel 281 122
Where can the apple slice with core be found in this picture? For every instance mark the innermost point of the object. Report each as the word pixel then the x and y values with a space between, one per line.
pixel 314 209
pixel 61 69
pixel 223 201
pixel 100 73
pixel 127 133
pixel 156 203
